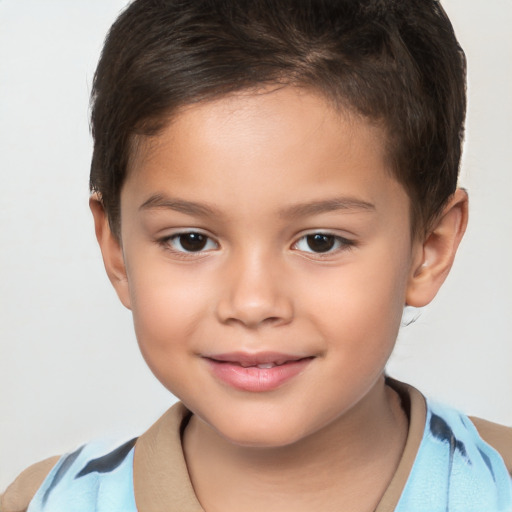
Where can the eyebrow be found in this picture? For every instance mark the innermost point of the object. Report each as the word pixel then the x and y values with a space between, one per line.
pixel 326 206
pixel 159 201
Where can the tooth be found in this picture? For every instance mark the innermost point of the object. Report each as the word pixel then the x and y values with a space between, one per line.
pixel 264 366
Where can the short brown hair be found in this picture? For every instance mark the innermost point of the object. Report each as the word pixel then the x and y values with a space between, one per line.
pixel 393 61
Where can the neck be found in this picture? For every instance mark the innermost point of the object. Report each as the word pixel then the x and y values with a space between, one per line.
pixel 345 466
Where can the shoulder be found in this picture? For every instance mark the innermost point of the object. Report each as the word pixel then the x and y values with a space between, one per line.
pixel 19 494
pixel 55 483
pixel 497 436
pixel 458 466
pixel 156 458
pixel 490 441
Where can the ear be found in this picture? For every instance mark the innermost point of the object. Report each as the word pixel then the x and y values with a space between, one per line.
pixel 111 251
pixel 433 257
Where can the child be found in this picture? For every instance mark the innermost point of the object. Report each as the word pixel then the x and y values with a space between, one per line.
pixel 272 182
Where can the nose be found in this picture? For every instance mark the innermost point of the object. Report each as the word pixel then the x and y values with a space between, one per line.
pixel 254 293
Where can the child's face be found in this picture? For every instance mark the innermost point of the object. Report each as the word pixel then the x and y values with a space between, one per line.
pixel 266 229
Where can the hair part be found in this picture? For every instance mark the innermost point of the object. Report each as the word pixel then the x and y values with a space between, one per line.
pixel 396 62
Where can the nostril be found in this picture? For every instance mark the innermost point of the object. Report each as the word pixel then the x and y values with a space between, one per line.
pixel 272 320
pixel 254 302
pixel 254 322
pixel 254 317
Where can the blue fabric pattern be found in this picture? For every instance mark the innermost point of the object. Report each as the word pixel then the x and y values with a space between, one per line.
pixel 94 478
pixel 455 470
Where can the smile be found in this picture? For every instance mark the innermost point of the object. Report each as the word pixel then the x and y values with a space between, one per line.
pixel 256 372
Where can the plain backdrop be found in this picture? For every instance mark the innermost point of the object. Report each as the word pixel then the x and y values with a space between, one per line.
pixel 70 369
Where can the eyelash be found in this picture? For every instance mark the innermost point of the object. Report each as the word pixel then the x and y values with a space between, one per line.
pixel 169 241
pixel 340 244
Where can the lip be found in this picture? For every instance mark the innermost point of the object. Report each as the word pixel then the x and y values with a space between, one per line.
pixel 241 371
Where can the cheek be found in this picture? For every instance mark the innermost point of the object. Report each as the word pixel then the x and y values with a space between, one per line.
pixel 385 287
pixel 167 310
pixel 363 302
pixel 165 321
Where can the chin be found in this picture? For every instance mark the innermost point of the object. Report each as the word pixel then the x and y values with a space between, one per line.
pixel 256 435
pixel 265 440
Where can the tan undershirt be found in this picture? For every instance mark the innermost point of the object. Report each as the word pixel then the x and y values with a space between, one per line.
pixel 162 484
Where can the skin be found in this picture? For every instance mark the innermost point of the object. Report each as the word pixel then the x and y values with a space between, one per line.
pixel 274 166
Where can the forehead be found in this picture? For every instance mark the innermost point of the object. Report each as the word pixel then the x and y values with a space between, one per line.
pixel 265 148
pixel 292 113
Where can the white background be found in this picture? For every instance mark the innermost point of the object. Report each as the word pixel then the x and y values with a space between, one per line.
pixel 69 365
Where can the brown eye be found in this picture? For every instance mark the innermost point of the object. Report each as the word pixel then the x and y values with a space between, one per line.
pixel 320 242
pixel 191 242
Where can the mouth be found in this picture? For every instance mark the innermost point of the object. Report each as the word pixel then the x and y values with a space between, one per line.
pixel 265 371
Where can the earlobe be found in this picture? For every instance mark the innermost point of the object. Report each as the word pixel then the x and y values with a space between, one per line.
pixel 434 257
pixel 111 251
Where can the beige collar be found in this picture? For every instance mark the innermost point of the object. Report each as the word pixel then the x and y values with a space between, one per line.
pixel 413 402
pixel 162 483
